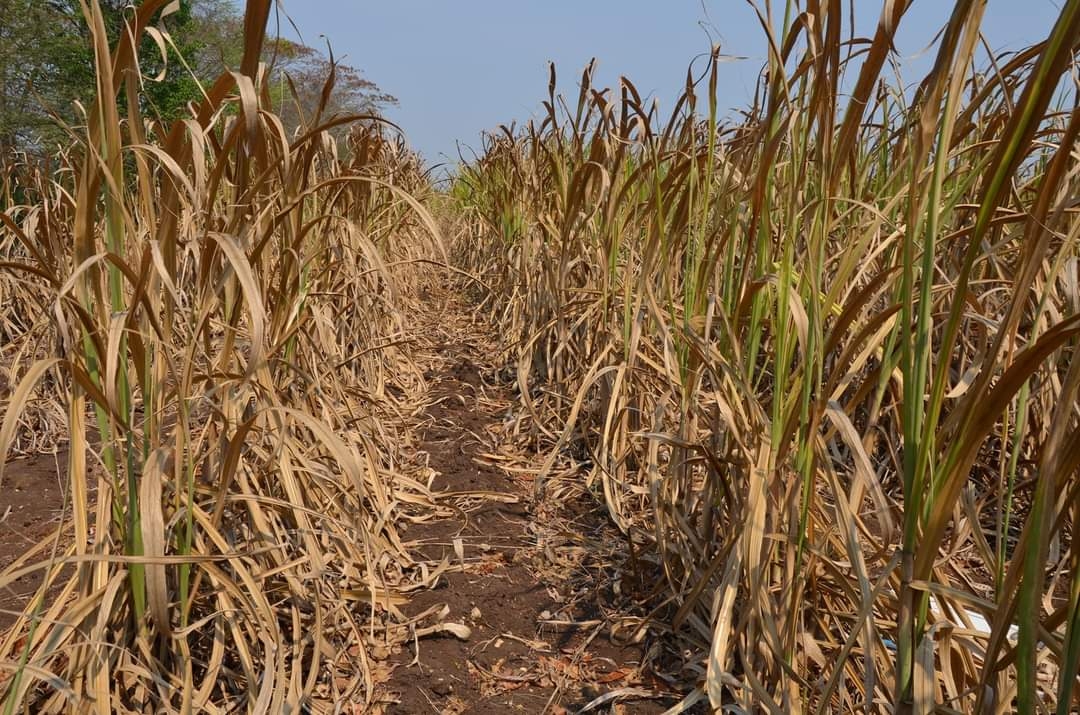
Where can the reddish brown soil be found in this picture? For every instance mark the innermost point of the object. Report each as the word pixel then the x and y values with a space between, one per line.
pixel 31 506
pixel 534 589
pixel 512 662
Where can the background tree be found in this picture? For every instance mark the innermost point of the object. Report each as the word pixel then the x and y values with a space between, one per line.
pixel 298 73
pixel 38 70
pixel 46 67
pixel 219 26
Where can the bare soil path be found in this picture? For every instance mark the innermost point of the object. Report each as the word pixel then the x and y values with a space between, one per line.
pixel 538 586
pixel 532 582
pixel 31 507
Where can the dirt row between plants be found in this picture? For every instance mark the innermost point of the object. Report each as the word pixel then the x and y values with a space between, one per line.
pixel 533 612
pixel 31 508
pixel 534 584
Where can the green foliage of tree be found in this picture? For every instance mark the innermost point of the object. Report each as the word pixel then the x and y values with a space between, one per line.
pixel 46 67
pixel 169 97
pixel 35 68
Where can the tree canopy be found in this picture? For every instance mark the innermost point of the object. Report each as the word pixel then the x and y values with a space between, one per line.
pixel 46 67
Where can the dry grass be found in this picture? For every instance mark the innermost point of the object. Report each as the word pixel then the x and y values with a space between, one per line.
pixel 822 358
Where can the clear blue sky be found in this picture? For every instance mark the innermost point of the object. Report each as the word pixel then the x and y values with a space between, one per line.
pixel 459 67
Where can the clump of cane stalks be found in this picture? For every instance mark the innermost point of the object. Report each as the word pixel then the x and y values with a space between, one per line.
pixel 822 357
pixel 221 300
